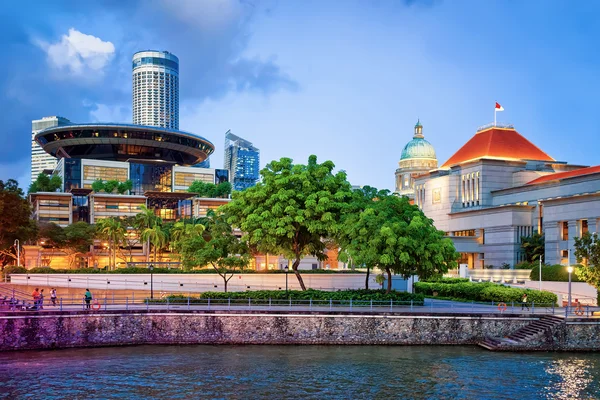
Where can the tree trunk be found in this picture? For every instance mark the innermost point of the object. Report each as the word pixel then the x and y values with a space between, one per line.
pixel 367 278
pixel 389 282
pixel 225 281
pixel 295 269
pixel 154 254
pixel 147 250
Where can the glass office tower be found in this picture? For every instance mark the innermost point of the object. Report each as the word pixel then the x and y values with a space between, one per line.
pixel 242 161
pixel 40 160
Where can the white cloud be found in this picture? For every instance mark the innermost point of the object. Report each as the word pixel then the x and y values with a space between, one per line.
pixel 110 113
pixel 78 52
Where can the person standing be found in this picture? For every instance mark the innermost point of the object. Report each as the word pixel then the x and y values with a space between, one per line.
pixel 53 296
pixel 36 297
pixel 88 298
pixel 524 302
pixel 41 300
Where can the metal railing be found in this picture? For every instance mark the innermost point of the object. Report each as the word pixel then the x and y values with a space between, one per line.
pixel 116 304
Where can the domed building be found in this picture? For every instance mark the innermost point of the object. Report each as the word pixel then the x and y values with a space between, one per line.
pixel 418 157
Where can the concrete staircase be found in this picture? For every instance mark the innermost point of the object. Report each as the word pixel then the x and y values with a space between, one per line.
pixel 532 335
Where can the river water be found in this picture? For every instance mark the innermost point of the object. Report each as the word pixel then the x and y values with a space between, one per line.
pixel 306 372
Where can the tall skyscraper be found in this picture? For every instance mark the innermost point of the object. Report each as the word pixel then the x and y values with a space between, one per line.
pixel 156 89
pixel 242 161
pixel 40 160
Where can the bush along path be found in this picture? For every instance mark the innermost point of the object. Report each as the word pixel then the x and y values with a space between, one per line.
pixel 484 292
pixel 358 297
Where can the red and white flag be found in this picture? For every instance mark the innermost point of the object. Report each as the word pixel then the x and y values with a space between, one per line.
pixel 499 107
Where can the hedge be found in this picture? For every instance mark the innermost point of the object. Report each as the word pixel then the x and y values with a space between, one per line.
pixel 358 296
pixel 485 292
pixel 447 280
pixel 553 273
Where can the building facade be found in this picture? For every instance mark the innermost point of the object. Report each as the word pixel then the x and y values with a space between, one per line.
pixel 498 188
pixel 242 161
pixel 418 156
pixel 40 160
pixel 156 89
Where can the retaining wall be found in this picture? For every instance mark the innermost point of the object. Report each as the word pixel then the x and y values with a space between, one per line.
pixel 80 329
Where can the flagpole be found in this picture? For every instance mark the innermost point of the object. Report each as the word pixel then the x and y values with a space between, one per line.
pixel 495 116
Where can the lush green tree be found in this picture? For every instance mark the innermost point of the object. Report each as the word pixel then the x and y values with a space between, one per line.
pixel 587 252
pixel 143 220
pixel 78 238
pixel 210 190
pixel 216 246
pixel 110 186
pixel 98 185
pixel 360 200
pixel 15 222
pixel 157 236
pixel 45 183
pixel 182 230
pixel 123 187
pixel 111 229
pixel 292 210
pixel 133 237
pixel 395 236
pixel 533 246
pixel 52 237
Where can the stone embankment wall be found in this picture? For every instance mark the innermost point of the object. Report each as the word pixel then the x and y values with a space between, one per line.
pixel 80 329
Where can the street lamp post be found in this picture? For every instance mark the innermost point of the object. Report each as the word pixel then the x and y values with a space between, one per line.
pixel 570 271
pixel 18 252
pixel 541 273
pixel 151 268
pixel 286 278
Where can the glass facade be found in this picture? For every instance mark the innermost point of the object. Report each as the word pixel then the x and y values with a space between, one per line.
pixel 187 178
pixel 72 173
pixel 94 172
pixel 150 177
pixel 221 175
pixel 242 161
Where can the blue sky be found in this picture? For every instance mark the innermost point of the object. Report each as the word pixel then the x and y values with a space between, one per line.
pixel 345 80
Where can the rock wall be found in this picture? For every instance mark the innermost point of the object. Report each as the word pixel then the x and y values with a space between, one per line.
pixel 80 329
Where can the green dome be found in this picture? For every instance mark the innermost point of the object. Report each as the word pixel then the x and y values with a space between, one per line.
pixel 418 148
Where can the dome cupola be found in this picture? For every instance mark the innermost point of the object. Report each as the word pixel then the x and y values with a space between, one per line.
pixel 418 147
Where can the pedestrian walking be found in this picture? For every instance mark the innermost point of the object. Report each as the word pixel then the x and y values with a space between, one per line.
pixel 36 297
pixel 41 300
pixel 524 303
pixel 88 298
pixel 53 296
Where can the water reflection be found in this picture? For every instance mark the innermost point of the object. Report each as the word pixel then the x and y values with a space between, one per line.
pixel 311 372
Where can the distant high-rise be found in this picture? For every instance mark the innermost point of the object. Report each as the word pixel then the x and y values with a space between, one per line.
pixel 156 89
pixel 40 160
pixel 242 161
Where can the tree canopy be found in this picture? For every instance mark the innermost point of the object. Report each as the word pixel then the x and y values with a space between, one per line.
pixel 15 222
pixel 533 246
pixel 205 189
pixel 45 183
pixel 386 231
pixel 292 210
pixel 215 245
pixel 587 252
pixel 111 185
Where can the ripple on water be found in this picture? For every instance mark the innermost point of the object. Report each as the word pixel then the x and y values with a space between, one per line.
pixel 310 372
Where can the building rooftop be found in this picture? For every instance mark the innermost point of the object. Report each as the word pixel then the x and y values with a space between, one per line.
pixel 497 143
pixel 564 175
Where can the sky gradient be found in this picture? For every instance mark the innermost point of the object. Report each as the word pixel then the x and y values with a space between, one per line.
pixel 343 80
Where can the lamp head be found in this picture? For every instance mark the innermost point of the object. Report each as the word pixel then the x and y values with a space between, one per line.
pixel 569 269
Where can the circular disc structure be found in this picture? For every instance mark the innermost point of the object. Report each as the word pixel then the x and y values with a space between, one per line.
pixel 123 142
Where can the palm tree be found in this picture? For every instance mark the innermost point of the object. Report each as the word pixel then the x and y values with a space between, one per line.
pixel 146 220
pixel 157 236
pixel 112 230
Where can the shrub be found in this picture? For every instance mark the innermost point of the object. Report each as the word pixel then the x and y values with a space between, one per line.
pixel 447 280
pixel 358 297
pixel 13 269
pixel 554 273
pixel 485 291
pixel 526 265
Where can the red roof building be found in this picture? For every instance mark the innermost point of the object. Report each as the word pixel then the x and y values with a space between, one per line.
pixel 564 175
pixel 497 143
